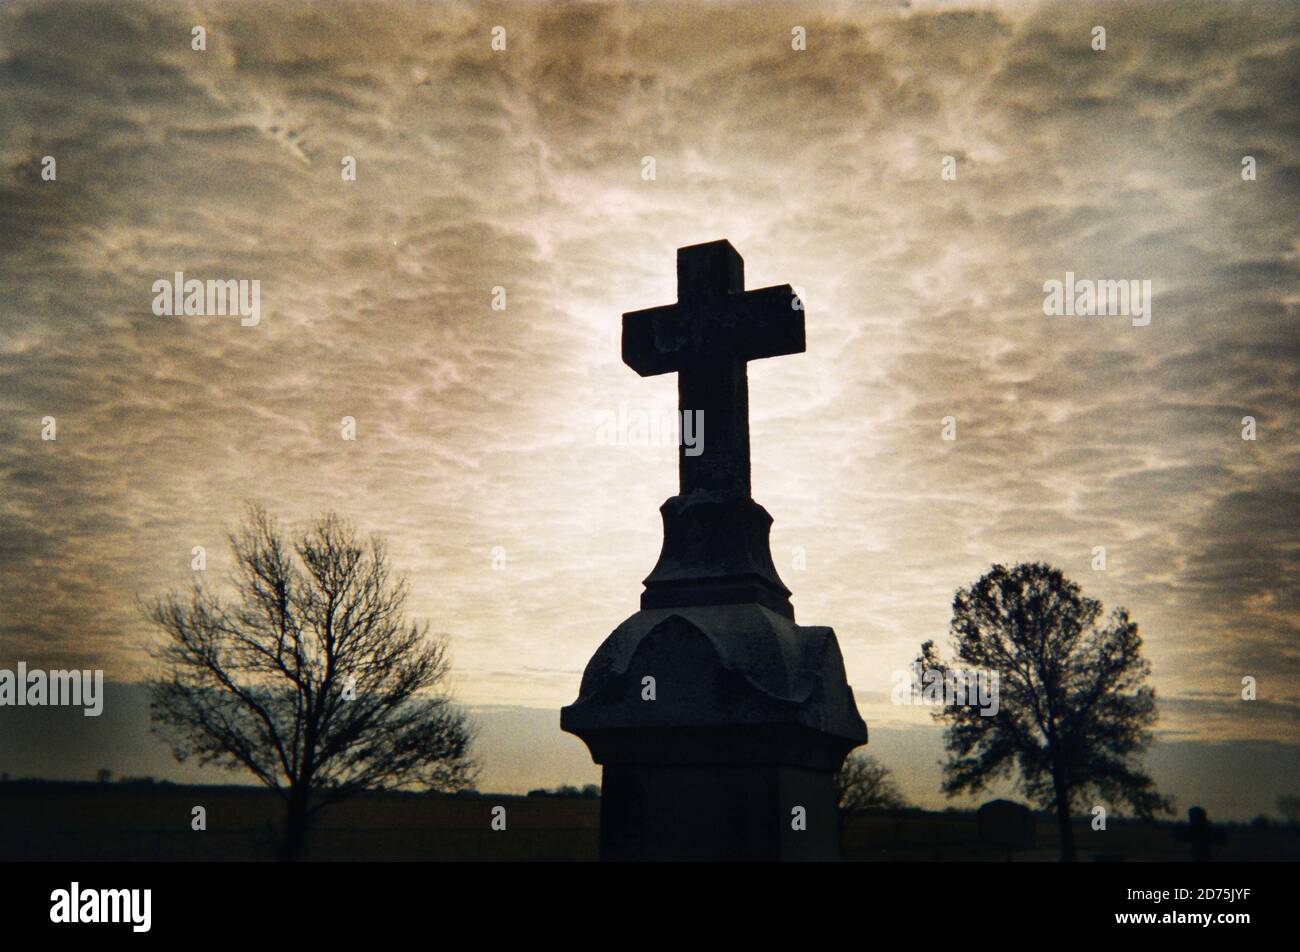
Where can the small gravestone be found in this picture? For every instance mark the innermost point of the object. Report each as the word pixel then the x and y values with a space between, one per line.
pixel 1006 825
pixel 1200 834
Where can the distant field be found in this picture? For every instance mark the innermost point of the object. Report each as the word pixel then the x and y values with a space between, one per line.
pixel 66 821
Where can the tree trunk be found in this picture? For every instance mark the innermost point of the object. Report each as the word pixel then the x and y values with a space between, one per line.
pixel 295 829
pixel 1063 823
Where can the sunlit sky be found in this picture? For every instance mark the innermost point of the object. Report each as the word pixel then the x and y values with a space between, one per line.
pixel 522 169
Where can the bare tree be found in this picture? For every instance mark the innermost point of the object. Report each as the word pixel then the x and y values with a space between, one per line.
pixel 310 678
pixel 1073 711
pixel 864 783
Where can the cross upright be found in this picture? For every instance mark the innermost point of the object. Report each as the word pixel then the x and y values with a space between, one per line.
pixel 706 338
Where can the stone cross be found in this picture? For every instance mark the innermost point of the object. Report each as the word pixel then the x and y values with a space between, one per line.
pixel 706 338
pixel 733 755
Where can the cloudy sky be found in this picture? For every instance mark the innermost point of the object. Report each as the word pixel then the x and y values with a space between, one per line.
pixel 480 430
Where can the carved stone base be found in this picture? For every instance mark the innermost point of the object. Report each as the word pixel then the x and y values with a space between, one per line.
pixel 716 551
pixel 712 724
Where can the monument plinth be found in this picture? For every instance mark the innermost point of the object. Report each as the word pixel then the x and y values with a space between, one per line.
pixel 718 721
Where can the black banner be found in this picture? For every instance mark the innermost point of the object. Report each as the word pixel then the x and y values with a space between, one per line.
pixel 359 902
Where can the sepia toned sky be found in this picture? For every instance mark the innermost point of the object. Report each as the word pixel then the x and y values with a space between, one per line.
pixel 522 169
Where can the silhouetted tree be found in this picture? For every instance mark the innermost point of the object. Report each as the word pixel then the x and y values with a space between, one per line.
pixel 568 791
pixel 1289 806
pixel 311 679
pixel 863 783
pixel 1073 712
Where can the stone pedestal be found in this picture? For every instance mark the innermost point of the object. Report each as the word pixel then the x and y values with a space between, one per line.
pixel 723 812
pixel 712 725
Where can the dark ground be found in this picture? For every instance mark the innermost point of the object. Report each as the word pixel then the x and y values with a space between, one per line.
pixel 125 821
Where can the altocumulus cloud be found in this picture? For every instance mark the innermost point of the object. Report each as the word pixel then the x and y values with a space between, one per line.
pixel 522 170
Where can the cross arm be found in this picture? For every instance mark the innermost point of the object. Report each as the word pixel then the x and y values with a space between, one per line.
pixel 771 322
pixel 766 322
pixel 656 339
